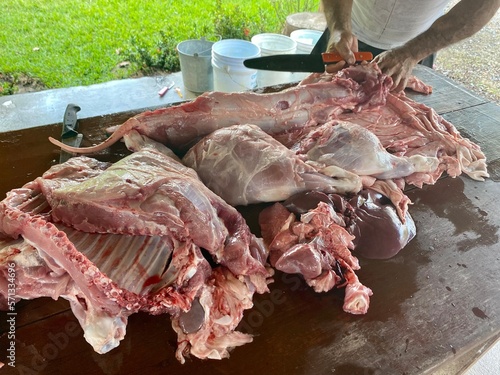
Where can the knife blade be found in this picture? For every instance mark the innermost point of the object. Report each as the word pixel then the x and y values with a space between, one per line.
pixel 70 135
pixel 300 62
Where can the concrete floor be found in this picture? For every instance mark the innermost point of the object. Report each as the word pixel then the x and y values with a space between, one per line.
pixel 47 107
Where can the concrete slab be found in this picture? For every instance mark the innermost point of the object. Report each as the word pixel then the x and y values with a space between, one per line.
pixel 47 107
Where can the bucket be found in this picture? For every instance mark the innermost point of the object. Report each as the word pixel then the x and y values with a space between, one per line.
pixel 306 39
pixel 196 69
pixel 230 75
pixel 273 44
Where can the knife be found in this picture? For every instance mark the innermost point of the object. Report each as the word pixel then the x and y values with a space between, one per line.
pixel 69 135
pixel 301 62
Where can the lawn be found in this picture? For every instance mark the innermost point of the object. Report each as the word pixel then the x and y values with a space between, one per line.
pixel 83 42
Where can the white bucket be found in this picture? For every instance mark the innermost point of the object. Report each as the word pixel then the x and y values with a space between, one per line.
pixel 306 39
pixel 196 69
pixel 273 44
pixel 230 75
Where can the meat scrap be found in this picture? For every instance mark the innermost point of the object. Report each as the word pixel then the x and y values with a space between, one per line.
pixel 314 234
pixel 128 237
pixel 316 247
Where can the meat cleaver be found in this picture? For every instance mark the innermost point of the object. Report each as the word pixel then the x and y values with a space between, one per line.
pixel 301 62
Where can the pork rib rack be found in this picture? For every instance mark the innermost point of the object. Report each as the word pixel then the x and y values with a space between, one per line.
pixel 143 234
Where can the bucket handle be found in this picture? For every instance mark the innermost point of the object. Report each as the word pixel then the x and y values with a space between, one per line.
pixel 204 39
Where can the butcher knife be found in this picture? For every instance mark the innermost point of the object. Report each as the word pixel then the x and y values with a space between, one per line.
pixel 70 135
pixel 301 62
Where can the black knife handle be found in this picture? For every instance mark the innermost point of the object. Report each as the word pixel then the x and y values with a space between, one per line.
pixel 70 120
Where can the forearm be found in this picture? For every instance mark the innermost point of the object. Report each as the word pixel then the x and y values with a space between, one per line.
pixel 338 14
pixel 462 21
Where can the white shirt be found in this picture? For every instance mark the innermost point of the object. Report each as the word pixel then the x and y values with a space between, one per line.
pixel 386 24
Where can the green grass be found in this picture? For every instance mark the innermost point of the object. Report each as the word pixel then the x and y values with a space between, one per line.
pixel 65 43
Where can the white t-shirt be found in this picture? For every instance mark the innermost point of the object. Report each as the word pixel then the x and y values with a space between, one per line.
pixel 386 24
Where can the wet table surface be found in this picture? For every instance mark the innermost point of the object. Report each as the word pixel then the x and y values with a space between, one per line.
pixel 435 305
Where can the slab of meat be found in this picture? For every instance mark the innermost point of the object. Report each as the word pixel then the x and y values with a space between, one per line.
pixel 244 165
pixel 413 83
pixel 357 150
pixel 128 237
pixel 407 128
pixel 284 115
pixel 358 94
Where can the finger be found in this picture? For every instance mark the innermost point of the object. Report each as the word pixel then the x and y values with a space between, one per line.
pixel 401 85
pixel 346 53
pixel 333 68
pixel 397 82
pixel 354 46
pixel 349 57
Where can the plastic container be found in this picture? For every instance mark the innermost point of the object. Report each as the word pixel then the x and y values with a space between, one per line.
pixel 230 75
pixel 273 44
pixel 196 68
pixel 306 39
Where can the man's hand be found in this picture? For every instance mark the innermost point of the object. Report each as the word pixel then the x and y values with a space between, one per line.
pixel 346 45
pixel 398 65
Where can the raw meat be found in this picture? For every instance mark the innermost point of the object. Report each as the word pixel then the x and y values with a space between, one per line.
pixel 244 165
pixel 407 128
pixel 358 94
pixel 413 83
pixel 378 231
pixel 285 115
pixel 196 258
pixel 118 239
pixel 357 150
pixel 208 330
pixel 369 216
pixel 318 248
pixel 318 245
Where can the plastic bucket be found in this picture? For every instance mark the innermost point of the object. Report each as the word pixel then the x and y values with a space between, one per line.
pixel 306 39
pixel 273 44
pixel 230 75
pixel 196 67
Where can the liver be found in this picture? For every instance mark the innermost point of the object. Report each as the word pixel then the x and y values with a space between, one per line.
pixel 435 306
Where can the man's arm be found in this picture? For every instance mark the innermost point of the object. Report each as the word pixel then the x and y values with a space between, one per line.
pixel 462 21
pixel 338 20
